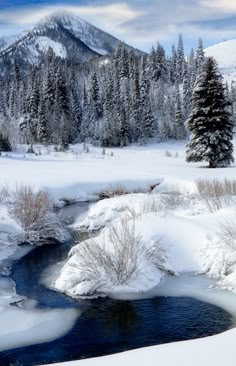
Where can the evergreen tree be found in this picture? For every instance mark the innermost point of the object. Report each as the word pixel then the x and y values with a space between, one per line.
pixel 187 93
pixel 147 123
pixel 180 61
pixel 173 66
pixel 179 120
pixel 4 143
pixel 200 56
pixel 95 96
pixel 42 135
pixel 210 123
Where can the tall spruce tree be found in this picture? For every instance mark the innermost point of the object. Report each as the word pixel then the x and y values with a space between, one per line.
pixel 180 61
pixel 210 124
pixel 179 119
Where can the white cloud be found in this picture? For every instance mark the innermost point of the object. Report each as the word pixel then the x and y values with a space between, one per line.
pixel 115 14
pixel 226 6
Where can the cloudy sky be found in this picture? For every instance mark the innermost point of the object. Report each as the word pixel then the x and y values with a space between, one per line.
pixel 137 22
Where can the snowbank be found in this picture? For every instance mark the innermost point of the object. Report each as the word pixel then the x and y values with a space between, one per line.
pixel 217 350
pixel 9 230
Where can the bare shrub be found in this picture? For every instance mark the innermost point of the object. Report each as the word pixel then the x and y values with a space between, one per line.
pixel 168 154
pixel 215 193
pixel 163 202
pixel 116 257
pixel 151 204
pixel 227 233
pixel 34 212
pixel 171 200
pixel 4 194
pixel 113 191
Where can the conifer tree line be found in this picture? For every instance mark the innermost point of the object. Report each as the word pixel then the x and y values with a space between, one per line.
pixel 109 102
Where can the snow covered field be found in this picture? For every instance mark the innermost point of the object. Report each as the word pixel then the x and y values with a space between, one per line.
pixel 187 230
pixel 77 174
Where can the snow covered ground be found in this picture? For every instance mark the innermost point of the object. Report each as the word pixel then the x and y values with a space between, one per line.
pixel 217 350
pixel 186 230
pixel 77 174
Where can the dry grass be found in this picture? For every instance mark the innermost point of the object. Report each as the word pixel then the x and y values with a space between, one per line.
pixel 115 257
pixel 162 203
pixel 171 200
pixel 215 193
pixel 4 194
pixel 151 204
pixel 113 191
pixel 227 233
pixel 34 213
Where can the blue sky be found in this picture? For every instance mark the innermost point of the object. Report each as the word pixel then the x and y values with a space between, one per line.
pixel 139 22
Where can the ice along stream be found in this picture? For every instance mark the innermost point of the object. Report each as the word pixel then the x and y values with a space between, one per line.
pixel 179 310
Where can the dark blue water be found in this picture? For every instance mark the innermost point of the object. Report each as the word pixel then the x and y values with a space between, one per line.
pixel 107 326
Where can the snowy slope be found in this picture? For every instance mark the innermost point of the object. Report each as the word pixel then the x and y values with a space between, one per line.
pixel 225 54
pixel 97 40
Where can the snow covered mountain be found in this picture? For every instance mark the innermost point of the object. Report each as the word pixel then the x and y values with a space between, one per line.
pixel 6 41
pixel 225 54
pixel 70 37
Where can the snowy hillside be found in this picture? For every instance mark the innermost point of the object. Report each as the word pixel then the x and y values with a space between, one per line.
pixel 69 36
pixel 225 54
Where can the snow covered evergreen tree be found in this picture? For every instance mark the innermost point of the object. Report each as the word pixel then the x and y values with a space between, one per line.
pixel 200 56
pixel 180 61
pixel 122 99
pixel 179 119
pixel 210 124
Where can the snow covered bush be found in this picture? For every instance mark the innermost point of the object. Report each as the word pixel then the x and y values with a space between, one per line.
pixel 227 233
pixel 215 193
pixel 33 211
pixel 120 264
pixel 220 256
pixel 116 259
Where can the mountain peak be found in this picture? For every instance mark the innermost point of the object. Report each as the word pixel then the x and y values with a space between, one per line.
pixel 67 34
pixel 60 16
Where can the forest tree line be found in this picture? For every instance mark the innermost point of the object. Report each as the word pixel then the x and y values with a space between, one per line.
pixel 112 101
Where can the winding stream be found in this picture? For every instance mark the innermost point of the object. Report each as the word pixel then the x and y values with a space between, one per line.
pixel 105 325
